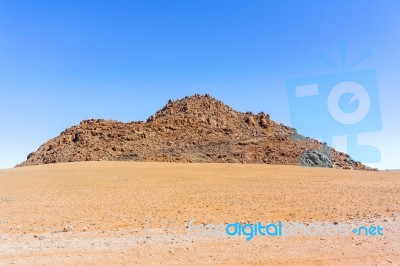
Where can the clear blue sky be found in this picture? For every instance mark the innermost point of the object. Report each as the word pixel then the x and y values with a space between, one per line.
pixel 65 61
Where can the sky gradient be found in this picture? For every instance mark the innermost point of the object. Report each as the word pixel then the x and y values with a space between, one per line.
pixel 65 61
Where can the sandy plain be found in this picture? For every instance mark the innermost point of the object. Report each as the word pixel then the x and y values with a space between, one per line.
pixel 129 213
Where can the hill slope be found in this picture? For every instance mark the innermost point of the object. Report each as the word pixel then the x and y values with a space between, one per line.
pixel 193 129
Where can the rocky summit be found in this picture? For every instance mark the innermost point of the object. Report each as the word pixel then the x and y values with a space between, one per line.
pixel 196 129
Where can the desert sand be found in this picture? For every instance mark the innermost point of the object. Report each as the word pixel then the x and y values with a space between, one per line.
pixel 125 213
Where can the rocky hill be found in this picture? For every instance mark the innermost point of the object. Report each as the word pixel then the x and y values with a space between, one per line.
pixel 193 129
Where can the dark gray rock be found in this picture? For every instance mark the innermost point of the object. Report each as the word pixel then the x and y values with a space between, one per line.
pixel 316 158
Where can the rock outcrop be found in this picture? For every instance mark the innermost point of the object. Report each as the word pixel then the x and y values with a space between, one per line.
pixel 193 129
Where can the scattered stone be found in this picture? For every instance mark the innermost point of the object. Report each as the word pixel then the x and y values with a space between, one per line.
pixel 4 199
pixel 40 237
pixel 68 228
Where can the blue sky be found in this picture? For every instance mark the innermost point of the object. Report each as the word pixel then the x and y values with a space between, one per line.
pixel 65 61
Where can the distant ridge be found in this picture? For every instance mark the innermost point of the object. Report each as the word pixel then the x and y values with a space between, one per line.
pixel 193 129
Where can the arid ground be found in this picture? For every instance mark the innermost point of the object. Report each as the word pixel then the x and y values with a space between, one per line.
pixel 125 213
